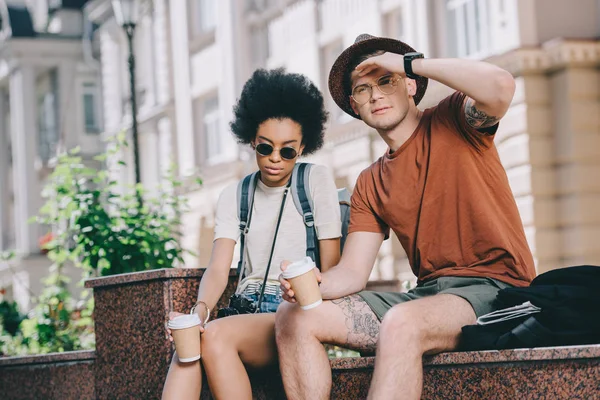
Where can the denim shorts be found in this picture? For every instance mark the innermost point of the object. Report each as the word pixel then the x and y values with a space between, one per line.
pixel 269 303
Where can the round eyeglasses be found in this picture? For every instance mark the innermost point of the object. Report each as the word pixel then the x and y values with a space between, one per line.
pixel 265 149
pixel 387 85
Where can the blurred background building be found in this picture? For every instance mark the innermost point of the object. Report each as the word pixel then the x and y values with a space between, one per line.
pixel 64 82
pixel 50 100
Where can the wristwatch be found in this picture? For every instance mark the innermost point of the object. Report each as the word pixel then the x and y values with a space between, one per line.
pixel 408 59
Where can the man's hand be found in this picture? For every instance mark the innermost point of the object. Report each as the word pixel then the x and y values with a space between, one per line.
pixel 389 61
pixel 287 292
pixel 174 314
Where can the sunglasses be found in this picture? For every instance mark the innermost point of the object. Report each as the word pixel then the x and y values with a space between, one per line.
pixel 265 149
pixel 387 85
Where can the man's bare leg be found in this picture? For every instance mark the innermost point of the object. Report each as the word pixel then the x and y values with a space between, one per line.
pixel 231 344
pixel 410 330
pixel 303 361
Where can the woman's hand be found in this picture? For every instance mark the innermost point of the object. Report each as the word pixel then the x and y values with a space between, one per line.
pixel 174 314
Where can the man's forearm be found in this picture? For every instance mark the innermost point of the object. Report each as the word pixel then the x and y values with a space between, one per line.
pixel 487 84
pixel 338 282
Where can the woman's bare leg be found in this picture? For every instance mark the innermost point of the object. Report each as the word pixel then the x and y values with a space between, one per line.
pixel 229 345
pixel 184 380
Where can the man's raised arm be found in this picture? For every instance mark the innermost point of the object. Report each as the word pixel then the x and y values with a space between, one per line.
pixel 490 89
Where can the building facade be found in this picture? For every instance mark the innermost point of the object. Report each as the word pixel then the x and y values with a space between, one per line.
pixel 194 56
pixel 49 100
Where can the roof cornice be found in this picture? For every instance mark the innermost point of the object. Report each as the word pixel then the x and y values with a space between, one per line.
pixel 551 56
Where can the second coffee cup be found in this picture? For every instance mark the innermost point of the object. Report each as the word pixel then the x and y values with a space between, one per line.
pixel 185 330
pixel 304 283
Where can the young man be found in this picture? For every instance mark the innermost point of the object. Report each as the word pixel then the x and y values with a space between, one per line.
pixel 442 189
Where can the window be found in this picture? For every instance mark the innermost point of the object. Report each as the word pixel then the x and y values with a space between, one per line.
pixel 260 5
pixel 47 118
pixel 468 28
pixel 203 17
pixel 91 104
pixel 145 67
pixel 210 143
pixel 329 54
pixel 212 134
pixel 259 39
pixel 393 24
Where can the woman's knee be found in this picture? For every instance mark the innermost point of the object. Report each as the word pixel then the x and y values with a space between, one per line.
pixel 215 339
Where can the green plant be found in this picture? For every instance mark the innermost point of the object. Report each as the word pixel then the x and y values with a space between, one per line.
pixel 58 323
pixel 100 226
pixel 339 352
pixel 10 317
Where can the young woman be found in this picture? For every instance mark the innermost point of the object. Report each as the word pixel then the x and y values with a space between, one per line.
pixel 282 116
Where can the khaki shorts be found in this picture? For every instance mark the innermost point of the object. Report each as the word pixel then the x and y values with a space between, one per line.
pixel 479 292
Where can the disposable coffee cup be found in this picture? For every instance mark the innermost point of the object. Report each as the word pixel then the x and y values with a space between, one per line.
pixel 185 330
pixel 304 283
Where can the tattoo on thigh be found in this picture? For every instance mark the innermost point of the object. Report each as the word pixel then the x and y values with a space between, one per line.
pixel 363 325
pixel 477 118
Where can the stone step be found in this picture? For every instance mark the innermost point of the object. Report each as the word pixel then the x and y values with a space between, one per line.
pixel 571 372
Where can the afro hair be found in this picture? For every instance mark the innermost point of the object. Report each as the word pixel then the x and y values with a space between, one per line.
pixel 275 94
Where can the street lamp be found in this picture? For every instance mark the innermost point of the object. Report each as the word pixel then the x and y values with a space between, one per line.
pixel 126 14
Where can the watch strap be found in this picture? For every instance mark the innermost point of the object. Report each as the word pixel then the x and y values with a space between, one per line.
pixel 408 59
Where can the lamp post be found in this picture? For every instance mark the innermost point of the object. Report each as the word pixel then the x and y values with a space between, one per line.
pixel 126 14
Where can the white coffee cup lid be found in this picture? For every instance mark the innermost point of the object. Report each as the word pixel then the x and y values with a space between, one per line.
pixel 298 268
pixel 184 321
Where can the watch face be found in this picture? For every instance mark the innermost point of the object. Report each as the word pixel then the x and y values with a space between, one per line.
pixel 413 56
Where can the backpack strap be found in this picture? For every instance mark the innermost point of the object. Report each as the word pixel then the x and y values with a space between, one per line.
pixel 245 200
pixel 344 200
pixel 532 333
pixel 304 205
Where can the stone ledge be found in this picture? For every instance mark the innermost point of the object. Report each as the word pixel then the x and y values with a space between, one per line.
pixel 174 273
pixel 145 276
pixel 50 358
pixel 540 373
pixel 485 357
pixel 68 375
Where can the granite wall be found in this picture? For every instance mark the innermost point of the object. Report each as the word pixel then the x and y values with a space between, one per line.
pixel 133 351
pixel 68 375
pixel 133 354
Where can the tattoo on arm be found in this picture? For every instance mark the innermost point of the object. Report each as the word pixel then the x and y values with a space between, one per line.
pixel 477 118
pixel 362 324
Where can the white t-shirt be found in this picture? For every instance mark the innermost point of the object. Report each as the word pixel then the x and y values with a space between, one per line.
pixel 291 240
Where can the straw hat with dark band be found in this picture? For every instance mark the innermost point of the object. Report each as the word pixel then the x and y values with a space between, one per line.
pixel 365 44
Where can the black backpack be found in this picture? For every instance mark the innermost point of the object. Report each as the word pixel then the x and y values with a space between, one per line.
pixel 304 204
pixel 569 300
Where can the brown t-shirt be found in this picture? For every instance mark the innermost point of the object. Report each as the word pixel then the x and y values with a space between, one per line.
pixel 446 195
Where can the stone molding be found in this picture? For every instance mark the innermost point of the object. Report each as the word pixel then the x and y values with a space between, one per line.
pixel 549 57
pixel 50 358
pixel 145 276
